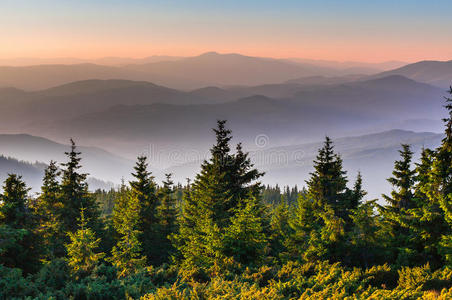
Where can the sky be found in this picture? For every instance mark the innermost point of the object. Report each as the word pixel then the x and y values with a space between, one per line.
pixel 346 30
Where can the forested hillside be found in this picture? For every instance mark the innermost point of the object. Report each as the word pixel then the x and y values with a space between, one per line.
pixel 223 235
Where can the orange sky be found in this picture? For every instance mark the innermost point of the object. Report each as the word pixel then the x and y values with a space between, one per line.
pixel 331 30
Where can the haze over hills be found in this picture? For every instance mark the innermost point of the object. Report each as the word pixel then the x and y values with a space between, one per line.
pixel 438 73
pixel 373 155
pixel 86 97
pixel 209 69
pixel 124 108
pixel 32 174
pixel 353 66
pixel 340 110
pixel 97 162
pixel 214 69
pixel 108 61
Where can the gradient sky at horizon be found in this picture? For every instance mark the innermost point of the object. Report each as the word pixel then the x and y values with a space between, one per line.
pixel 346 30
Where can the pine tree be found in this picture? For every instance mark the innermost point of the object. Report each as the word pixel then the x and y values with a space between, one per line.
pixel 19 243
pixel 166 211
pixel 358 192
pixel 143 188
pixel 126 255
pixel 225 179
pixel 403 181
pixel 320 220
pixel 167 217
pixel 75 195
pixel 14 209
pixel 396 212
pixel 49 208
pixel 82 257
pixel 425 221
pixel 328 184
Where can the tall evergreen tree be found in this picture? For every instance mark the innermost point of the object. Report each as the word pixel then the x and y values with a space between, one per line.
pixel 402 181
pixel 328 184
pixel 395 213
pixel 14 210
pixel 166 210
pixel 167 217
pixel 358 192
pixel 19 243
pixel 75 195
pixel 49 208
pixel 225 179
pixel 143 188
pixel 127 254
pixel 321 215
pixel 425 221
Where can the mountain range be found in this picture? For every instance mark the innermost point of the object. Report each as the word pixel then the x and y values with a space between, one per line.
pixel 211 69
pixel 166 107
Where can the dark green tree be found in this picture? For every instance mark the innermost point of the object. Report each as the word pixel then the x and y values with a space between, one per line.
pixel 143 188
pixel 225 179
pixel 167 217
pixel 358 192
pixel 328 184
pixel 395 213
pixel 75 195
pixel 403 181
pixel 49 208
pixel 20 246
pixel 127 253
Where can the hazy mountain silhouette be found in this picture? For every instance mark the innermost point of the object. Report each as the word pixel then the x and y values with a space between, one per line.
pixel 339 110
pixel 91 96
pixel 97 162
pixel 350 66
pixel 437 73
pixel 32 174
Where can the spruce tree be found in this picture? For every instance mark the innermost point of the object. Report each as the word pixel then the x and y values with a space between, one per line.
pixel 358 192
pixel 425 221
pixel 127 254
pixel 49 208
pixel 402 181
pixel 166 211
pixel 396 212
pixel 20 246
pixel 82 257
pixel 75 195
pixel 167 218
pixel 143 188
pixel 224 180
pixel 328 184
pixel 14 209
